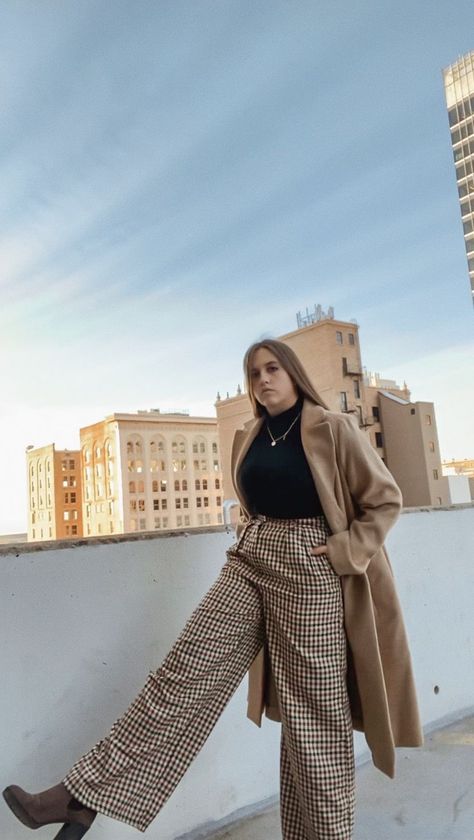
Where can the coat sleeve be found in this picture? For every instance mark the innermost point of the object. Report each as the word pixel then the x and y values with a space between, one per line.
pixel 376 497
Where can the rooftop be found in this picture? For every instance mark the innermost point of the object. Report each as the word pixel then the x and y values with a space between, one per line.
pixel 441 807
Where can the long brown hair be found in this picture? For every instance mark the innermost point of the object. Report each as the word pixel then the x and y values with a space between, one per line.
pixel 289 362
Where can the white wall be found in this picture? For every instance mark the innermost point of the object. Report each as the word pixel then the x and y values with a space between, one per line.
pixel 459 489
pixel 81 627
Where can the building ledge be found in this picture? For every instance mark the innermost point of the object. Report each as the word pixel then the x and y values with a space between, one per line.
pixel 48 545
pixel 140 536
pixel 437 508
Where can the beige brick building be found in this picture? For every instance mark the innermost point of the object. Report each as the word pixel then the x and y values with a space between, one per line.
pixel 54 494
pixel 150 471
pixel 398 429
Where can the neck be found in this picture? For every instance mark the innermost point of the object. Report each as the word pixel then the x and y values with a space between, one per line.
pixel 274 412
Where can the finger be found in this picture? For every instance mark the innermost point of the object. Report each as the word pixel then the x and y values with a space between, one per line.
pixel 320 549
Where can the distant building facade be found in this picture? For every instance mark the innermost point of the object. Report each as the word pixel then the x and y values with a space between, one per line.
pixel 459 91
pixel 54 494
pixel 150 471
pixel 398 429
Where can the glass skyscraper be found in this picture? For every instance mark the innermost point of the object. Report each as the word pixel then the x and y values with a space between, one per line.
pixel 459 89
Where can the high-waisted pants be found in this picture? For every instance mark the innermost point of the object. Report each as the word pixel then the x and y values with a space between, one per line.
pixel 271 589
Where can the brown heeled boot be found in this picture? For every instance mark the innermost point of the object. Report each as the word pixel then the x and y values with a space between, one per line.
pixel 55 805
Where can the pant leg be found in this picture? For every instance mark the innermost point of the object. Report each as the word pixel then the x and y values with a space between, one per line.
pixel 131 773
pixel 307 646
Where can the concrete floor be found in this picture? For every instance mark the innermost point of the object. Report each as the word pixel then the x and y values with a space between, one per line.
pixel 432 797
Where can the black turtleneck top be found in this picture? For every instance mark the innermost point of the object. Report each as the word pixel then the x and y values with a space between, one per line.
pixel 276 480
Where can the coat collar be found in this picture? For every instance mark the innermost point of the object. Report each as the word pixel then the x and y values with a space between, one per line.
pixel 319 447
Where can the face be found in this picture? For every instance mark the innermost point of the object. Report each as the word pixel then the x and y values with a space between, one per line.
pixel 271 384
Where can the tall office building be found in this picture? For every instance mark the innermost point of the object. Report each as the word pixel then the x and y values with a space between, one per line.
pixel 459 89
pixel 54 494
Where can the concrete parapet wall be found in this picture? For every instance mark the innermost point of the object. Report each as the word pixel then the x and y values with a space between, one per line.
pixel 82 625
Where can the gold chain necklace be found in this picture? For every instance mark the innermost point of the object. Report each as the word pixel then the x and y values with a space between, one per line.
pixel 282 437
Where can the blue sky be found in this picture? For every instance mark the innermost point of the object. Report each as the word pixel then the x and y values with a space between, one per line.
pixel 180 178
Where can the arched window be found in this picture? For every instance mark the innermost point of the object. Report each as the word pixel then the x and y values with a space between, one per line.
pixel 132 488
pixel 141 487
pixel 154 487
pixel 178 446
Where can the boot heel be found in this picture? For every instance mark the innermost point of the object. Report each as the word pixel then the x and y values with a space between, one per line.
pixel 71 831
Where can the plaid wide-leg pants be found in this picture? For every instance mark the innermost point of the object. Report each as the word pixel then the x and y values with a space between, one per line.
pixel 273 590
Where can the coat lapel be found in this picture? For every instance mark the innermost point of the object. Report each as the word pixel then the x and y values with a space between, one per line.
pixel 320 450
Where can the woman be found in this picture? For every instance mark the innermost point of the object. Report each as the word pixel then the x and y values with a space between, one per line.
pixel 306 598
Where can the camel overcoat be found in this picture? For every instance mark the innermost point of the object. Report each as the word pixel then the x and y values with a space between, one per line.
pixel 361 501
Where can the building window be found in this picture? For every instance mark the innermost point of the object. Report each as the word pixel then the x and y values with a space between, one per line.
pixel 157 522
pixel 206 501
pixel 156 504
pixel 73 530
pixel 439 500
pixel 154 486
pixel 132 487
pixel 428 419
pixel 215 465
pixel 200 518
pixel 356 389
pixel 431 446
pixel 186 520
pixel 217 484
pixel 198 501
pixel 164 504
pixel 339 337
pixel 204 465
pixel 204 484
pixel 142 524
pixel 185 502
pixel 66 516
pixel 343 400
pixel 179 521
pixel 141 505
pixel 379 440
pixel 435 475
pixel 375 413
pixel 111 508
pixel 219 518
pixel 197 484
pixel 184 484
pixel 73 498
pixel 133 505
pixel 214 448
pixel 351 338
pixel 66 498
pixel 207 518
pixel 165 522
pixel 218 501
pixel 176 485
pixel 412 411
pixel 163 484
